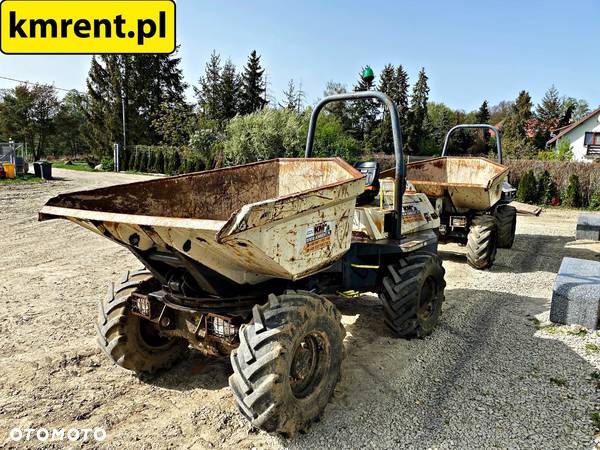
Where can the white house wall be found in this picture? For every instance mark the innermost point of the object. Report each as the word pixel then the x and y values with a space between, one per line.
pixel 576 137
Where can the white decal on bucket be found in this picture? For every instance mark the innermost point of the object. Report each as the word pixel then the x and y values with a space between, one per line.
pixel 318 237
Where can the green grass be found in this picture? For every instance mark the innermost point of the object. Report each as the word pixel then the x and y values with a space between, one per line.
pixel 557 329
pixel 592 348
pixel 595 416
pixel 77 165
pixel 26 179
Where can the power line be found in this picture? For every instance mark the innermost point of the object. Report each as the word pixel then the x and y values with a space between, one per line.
pixel 38 84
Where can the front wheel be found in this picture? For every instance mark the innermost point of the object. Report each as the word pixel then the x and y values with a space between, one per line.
pixel 131 341
pixel 412 295
pixel 481 242
pixel 288 362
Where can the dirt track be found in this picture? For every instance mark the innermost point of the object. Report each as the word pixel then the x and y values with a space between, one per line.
pixel 488 377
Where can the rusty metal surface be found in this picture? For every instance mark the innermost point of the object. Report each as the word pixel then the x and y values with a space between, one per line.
pixel 470 182
pixel 282 218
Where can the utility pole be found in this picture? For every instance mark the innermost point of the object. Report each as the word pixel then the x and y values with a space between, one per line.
pixel 123 110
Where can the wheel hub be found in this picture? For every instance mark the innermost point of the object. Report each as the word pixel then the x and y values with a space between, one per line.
pixel 307 366
pixel 427 300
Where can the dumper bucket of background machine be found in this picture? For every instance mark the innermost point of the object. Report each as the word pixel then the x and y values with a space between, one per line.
pixel 472 183
pixel 283 218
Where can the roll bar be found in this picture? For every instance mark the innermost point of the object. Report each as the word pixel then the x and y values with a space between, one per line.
pixel 474 126
pixel 396 135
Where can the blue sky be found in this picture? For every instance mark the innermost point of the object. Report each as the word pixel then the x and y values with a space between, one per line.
pixel 471 50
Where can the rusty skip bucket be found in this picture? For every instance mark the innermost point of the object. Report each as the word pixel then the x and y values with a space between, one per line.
pixel 471 183
pixel 282 218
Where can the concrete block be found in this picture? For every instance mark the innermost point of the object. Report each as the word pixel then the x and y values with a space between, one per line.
pixel 576 294
pixel 588 227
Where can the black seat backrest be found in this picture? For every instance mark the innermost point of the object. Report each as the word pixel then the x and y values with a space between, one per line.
pixel 370 169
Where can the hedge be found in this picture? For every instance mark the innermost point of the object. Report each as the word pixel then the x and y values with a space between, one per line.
pixel 162 159
pixel 560 172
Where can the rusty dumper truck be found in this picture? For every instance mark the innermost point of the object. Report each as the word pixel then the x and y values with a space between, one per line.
pixel 239 261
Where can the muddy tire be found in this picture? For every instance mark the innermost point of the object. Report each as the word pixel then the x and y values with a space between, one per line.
pixel 482 242
pixel 288 362
pixel 506 220
pixel 412 295
pixel 129 340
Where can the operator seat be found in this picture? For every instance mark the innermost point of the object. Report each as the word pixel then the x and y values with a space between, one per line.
pixel 370 169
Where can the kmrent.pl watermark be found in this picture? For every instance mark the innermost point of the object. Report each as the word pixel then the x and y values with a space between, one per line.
pixel 97 434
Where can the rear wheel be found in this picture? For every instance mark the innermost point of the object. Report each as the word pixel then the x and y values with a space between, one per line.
pixel 131 341
pixel 481 242
pixel 506 219
pixel 288 362
pixel 412 295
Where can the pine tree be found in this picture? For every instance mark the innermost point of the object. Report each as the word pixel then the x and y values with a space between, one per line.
pixel 293 97
pixel 549 110
pixel 290 97
pixel 417 114
pixel 157 80
pixel 209 91
pixel 229 92
pixel 515 126
pixel 483 116
pixel 400 95
pixel 341 110
pixel 387 81
pixel 253 85
pixel 139 84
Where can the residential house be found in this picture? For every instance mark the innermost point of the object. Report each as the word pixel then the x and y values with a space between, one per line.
pixel 583 135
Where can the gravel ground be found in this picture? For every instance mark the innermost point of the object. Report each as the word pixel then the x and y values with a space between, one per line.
pixel 494 374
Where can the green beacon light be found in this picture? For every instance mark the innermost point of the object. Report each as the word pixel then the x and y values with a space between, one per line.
pixel 368 74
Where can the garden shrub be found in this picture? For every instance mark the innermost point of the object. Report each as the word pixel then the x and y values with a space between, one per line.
pixel 546 189
pixel 572 196
pixel 108 164
pixel 137 161
pixel 131 162
pixel 563 150
pixel 159 165
pixel 589 174
pixel 151 161
pixel 527 191
pixel 143 164
pixel 595 199
pixel 172 162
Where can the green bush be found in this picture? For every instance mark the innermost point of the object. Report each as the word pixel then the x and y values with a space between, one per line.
pixel 572 196
pixel 595 199
pixel 527 191
pixel 265 134
pixel 176 164
pixel 132 161
pixel 563 150
pixel 151 161
pixel 108 164
pixel 172 162
pixel 138 160
pixel 143 166
pixel 159 165
pixel 546 156
pixel 546 189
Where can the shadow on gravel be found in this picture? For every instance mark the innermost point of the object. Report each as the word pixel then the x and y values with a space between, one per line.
pixel 195 371
pixel 485 378
pixel 530 253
